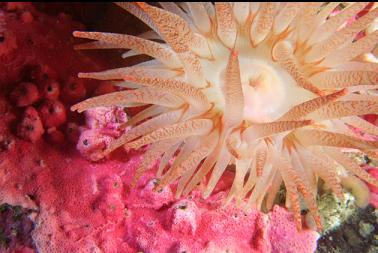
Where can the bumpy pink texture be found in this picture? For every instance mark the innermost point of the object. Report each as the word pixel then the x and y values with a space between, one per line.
pixel 92 143
pixel 89 207
pixel 53 113
pixel 74 90
pixel 284 236
pixel 30 128
pixel 25 94
pixel 103 125
pixel 373 189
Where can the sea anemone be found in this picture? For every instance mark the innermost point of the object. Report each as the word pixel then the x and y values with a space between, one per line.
pixel 272 88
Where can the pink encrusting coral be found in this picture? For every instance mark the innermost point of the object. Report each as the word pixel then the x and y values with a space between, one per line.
pixel 83 206
pixel 103 125
pixel 373 189
pixel 30 128
pixel 25 94
pixel 152 221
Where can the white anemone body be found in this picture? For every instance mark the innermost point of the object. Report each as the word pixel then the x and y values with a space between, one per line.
pixel 270 87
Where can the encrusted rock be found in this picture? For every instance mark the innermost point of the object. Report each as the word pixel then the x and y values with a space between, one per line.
pixel 365 229
pixel 53 113
pixel 30 128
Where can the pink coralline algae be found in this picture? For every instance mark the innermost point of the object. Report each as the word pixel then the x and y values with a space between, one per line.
pixel 30 127
pixel 74 90
pixel 25 94
pixel 373 189
pixel 284 236
pixel 183 217
pixel 84 206
pixel 51 90
pixel 55 136
pixel 53 113
pixel 148 198
pixel 72 132
pixel 111 118
pixel 92 143
pixel 102 126
pixel 193 224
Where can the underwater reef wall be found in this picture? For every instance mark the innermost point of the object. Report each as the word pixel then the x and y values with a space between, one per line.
pixel 64 201
pixel 79 206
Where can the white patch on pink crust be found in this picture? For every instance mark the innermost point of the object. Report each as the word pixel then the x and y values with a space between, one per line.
pixel 183 217
pixel 105 117
pixel 92 143
pixel 284 234
pixel 155 199
pixel 102 127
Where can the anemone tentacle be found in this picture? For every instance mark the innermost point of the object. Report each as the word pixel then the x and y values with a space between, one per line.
pixel 269 87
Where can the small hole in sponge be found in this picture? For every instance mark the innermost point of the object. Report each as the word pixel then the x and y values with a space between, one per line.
pixel 182 207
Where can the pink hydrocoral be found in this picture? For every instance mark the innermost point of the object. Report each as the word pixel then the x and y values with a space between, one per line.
pixel 25 94
pixel 198 225
pixel 25 250
pixel 103 124
pixel 74 90
pixel 83 206
pixel 149 198
pixel 55 136
pixel 51 90
pixel 110 202
pixel 285 236
pixel 106 117
pixel 30 128
pixel 183 217
pixel 373 189
pixel 53 113
pixel 10 43
pixel 72 132
pixel 92 143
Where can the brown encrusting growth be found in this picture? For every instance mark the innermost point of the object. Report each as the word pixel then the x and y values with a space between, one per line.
pixel 269 87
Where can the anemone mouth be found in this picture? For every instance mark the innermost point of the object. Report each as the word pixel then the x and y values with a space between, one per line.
pixel 269 87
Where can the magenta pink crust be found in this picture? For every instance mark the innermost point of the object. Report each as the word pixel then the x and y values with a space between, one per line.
pixel 373 189
pixel 84 206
